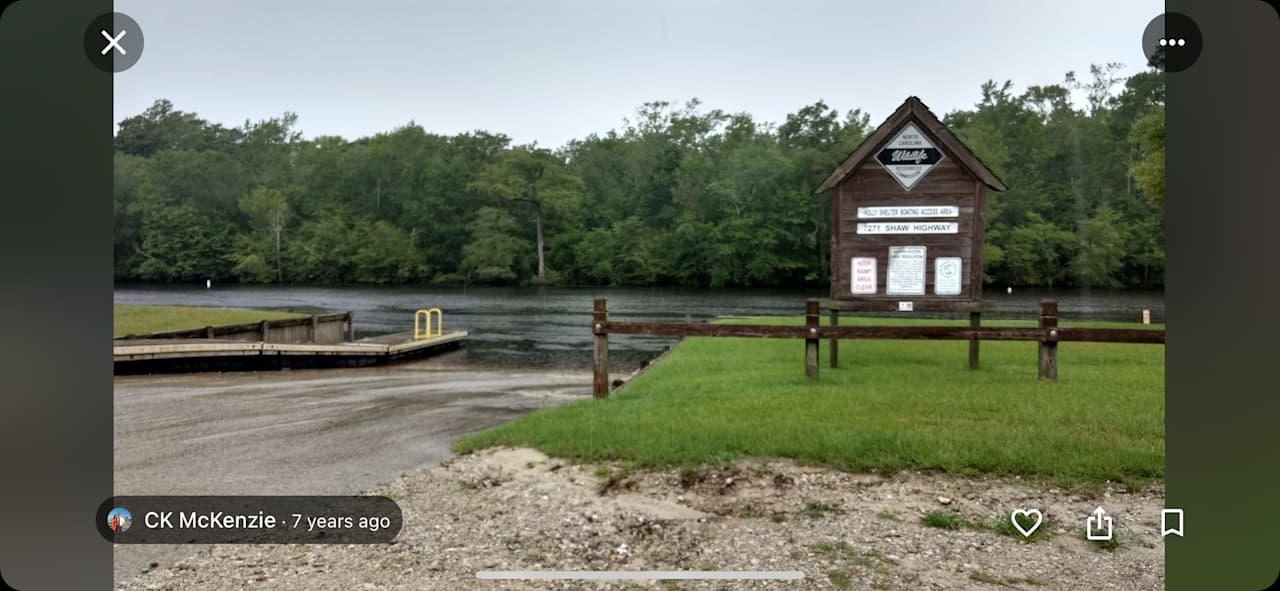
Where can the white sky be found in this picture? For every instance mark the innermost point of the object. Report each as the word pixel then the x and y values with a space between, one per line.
pixel 553 70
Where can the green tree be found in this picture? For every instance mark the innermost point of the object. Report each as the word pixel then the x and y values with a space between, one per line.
pixel 1147 169
pixel 1100 249
pixel 533 176
pixel 494 251
pixel 269 212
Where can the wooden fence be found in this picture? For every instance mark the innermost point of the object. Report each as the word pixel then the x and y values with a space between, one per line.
pixel 1048 334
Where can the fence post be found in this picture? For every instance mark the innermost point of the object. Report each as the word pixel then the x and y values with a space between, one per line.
pixel 1049 346
pixel 351 327
pixel 811 312
pixel 975 321
pixel 315 329
pixel 835 341
pixel 600 354
pixel 265 327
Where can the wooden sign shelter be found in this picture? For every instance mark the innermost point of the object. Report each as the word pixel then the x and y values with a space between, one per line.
pixel 907 217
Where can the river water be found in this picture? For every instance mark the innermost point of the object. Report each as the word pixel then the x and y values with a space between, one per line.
pixel 550 326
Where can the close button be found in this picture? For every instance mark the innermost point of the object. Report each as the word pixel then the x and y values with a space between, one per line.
pixel 113 42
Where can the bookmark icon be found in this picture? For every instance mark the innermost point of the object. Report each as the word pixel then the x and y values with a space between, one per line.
pixel 1171 523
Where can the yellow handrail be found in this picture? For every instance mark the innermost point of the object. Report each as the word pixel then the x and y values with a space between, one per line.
pixel 424 328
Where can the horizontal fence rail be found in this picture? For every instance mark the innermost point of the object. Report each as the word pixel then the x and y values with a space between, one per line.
pixel 1048 334
pixel 959 333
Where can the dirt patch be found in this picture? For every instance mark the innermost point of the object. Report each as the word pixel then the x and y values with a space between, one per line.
pixel 519 510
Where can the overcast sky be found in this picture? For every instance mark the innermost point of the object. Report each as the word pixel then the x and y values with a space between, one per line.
pixel 550 71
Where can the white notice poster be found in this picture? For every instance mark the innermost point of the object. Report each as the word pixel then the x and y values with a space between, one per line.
pixel 946 275
pixel 906 270
pixel 862 275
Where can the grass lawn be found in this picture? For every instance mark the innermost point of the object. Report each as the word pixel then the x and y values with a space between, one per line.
pixel 131 319
pixel 891 405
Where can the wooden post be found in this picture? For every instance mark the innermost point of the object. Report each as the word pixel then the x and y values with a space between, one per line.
pixel 351 327
pixel 835 342
pixel 811 312
pixel 208 332
pixel 265 327
pixel 1049 346
pixel 975 321
pixel 315 329
pixel 600 353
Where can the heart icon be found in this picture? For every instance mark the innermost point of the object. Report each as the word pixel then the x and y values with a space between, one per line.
pixel 1026 514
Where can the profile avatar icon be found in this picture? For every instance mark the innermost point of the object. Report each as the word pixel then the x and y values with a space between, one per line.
pixel 119 520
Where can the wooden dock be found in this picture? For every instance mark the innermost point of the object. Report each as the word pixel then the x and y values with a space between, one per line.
pixel 168 355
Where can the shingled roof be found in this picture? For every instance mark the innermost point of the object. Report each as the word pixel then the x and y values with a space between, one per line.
pixel 913 109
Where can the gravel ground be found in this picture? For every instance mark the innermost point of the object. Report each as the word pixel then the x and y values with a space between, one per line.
pixel 516 509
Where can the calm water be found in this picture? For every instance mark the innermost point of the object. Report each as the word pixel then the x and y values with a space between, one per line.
pixel 550 327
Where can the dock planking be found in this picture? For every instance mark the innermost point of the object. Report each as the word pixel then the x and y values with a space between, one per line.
pixel 195 354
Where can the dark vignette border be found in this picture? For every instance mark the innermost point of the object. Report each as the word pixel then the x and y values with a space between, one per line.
pixel 55 281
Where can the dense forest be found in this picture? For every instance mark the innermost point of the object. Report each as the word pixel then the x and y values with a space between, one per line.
pixel 680 194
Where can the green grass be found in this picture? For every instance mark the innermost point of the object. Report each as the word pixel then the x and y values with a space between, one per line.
pixel 1001 524
pixel 943 519
pixel 134 320
pixel 891 405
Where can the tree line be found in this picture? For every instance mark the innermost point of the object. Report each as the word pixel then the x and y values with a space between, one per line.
pixel 680 194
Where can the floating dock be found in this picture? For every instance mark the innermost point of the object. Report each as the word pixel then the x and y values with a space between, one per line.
pixel 168 355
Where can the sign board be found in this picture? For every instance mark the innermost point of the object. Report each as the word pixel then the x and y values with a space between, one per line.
pixel 906 270
pixel 946 275
pixel 909 156
pixel 908 228
pixel 908 218
pixel 863 275
pixel 909 211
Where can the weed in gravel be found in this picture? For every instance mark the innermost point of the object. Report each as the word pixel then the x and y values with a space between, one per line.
pixel 944 519
pixel 615 478
pixel 889 515
pixel 1010 582
pixel 1004 525
pixel 777 517
pixel 840 578
pixel 817 509
pixel 842 551
pixel 690 475
pixel 985 577
pixel 1114 543
pixel 835 548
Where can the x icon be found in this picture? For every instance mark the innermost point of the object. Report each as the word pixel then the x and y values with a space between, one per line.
pixel 114 42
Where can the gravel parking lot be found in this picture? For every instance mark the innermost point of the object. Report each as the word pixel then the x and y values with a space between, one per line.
pixel 516 509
